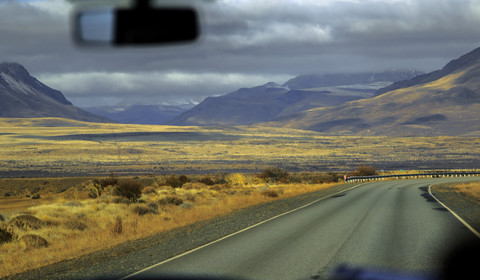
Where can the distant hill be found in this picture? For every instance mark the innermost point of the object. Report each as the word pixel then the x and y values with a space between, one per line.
pixel 443 102
pixel 23 96
pixel 251 105
pixel 371 78
pixel 140 114
pixel 270 101
pixel 469 59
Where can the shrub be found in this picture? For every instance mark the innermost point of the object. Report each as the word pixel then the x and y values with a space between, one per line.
pixel 25 222
pixel 72 204
pixel 149 190
pixel 143 210
pixel 2 218
pixel 170 200
pixel 274 174
pixel 50 221
pixel 5 236
pixel 30 241
pixel 76 225
pixel 193 185
pixel 36 196
pixel 94 190
pixel 207 180
pixel 186 205
pixel 221 178
pixel 117 227
pixel 330 177
pixel 129 189
pixel 365 170
pixel 190 197
pixel 237 179
pixel 270 193
pixel 123 200
pixel 111 180
pixel 153 205
pixel 176 182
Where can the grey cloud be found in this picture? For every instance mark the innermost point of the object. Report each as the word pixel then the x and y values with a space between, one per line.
pixel 251 39
pixel 166 87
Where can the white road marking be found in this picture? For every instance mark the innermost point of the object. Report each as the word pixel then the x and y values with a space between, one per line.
pixel 453 213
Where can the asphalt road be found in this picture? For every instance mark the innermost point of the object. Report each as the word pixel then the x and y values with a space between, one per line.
pixel 392 226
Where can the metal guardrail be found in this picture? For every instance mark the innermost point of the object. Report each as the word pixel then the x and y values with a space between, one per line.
pixel 353 179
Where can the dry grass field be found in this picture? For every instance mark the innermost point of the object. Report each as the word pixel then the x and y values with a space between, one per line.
pixel 48 147
pixel 94 214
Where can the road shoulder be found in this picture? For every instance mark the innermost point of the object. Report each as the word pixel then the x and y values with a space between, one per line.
pixel 468 209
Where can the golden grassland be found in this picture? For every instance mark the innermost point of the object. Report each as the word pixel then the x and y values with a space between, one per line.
pixel 74 224
pixel 59 146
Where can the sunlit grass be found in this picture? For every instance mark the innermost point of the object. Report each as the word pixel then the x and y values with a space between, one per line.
pixel 27 144
pixel 76 225
pixel 469 190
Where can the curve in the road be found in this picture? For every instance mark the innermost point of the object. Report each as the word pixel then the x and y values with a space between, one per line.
pixel 389 225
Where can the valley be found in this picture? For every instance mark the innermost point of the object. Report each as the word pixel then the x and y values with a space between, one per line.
pixel 55 147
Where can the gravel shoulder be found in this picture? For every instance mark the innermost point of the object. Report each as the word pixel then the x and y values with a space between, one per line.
pixel 133 256
pixel 464 206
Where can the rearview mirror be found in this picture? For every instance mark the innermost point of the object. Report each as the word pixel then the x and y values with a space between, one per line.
pixel 139 25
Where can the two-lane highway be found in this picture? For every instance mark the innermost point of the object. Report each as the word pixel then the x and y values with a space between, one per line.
pixel 391 225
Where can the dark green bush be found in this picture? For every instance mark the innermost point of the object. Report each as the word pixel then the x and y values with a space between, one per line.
pixel 130 189
pixel 274 174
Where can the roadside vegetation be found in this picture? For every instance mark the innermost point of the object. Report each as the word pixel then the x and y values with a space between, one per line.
pixel 365 170
pixel 94 214
pixel 469 191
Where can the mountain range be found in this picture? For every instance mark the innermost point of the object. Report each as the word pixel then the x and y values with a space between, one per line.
pixel 399 103
pixel 23 96
pixel 271 101
pixel 443 102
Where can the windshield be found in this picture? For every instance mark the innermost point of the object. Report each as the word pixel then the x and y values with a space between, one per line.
pixel 182 159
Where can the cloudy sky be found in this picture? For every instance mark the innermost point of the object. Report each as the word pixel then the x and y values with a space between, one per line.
pixel 244 43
